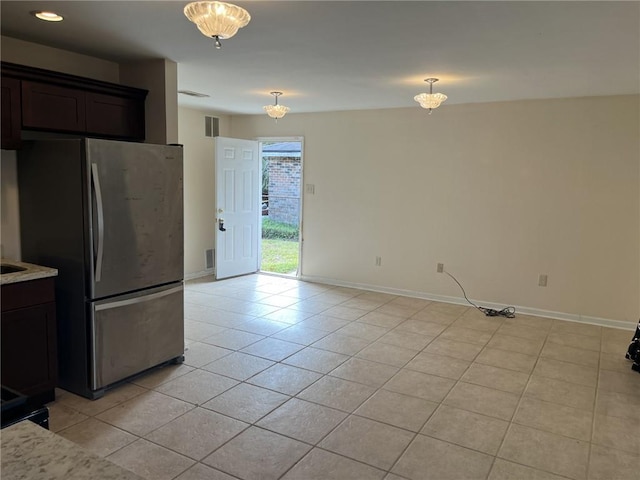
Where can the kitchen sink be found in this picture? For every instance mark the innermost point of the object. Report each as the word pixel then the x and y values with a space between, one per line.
pixel 11 269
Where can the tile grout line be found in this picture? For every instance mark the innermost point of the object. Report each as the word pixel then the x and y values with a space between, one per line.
pixel 351 414
pixel 495 456
pixel 354 356
pixel 515 411
pixel 595 407
pixel 404 451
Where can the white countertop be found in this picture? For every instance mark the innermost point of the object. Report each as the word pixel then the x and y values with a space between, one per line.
pixel 30 452
pixel 31 272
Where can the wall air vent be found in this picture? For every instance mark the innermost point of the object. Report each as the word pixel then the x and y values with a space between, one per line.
pixel 208 258
pixel 211 126
pixel 191 93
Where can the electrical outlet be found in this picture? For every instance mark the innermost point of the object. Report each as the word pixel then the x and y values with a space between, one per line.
pixel 440 268
pixel 542 281
pixel 378 261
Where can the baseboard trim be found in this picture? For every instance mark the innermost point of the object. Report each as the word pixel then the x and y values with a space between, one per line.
pixel 200 274
pixel 536 312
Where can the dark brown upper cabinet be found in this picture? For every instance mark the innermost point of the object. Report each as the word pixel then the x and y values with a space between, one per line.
pixel 11 113
pixel 43 100
pixel 115 116
pixel 51 107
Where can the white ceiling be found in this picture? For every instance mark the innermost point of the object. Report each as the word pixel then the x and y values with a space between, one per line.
pixel 339 55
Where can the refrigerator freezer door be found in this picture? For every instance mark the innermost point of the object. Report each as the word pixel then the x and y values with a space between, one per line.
pixel 134 332
pixel 136 215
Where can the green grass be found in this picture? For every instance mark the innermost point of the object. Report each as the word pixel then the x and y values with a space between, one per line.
pixel 277 230
pixel 279 256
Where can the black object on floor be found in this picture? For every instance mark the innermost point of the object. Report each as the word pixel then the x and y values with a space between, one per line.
pixel 633 352
pixel 16 408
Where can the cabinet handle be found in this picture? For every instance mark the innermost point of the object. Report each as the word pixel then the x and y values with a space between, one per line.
pixel 100 214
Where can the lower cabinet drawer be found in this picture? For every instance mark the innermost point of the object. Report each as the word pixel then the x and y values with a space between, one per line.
pixel 135 333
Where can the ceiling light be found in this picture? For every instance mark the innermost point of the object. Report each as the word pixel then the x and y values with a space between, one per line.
pixel 217 20
pixel 276 111
pixel 48 16
pixel 430 100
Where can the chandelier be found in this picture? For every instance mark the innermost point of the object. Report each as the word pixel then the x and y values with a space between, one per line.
pixel 217 20
pixel 430 100
pixel 276 111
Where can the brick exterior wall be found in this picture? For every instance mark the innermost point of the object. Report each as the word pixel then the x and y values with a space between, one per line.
pixel 284 189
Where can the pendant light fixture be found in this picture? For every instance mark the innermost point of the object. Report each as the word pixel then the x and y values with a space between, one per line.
pixel 430 100
pixel 217 20
pixel 276 111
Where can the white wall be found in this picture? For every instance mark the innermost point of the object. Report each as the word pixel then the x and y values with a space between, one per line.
pixel 500 193
pixel 41 56
pixel 160 78
pixel 199 187
pixel 10 215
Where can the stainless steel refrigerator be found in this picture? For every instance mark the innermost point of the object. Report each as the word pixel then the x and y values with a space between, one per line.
pixel 109 216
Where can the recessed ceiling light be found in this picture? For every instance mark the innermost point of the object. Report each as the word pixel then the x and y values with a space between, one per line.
pixel 47 16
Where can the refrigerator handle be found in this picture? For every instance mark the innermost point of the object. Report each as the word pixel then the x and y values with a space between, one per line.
pixel 100 214
pixel 136 300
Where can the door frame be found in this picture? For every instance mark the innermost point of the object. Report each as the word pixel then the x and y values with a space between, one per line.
pixel 300 139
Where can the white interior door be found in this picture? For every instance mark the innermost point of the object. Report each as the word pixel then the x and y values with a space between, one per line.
pixel 237 206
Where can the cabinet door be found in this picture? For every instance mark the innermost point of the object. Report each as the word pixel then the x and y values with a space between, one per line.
pixel 113 116
pixel 50 107
pixel 11 114
pixel 29 356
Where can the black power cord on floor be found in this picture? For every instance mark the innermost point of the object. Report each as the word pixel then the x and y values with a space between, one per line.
pixel 509 312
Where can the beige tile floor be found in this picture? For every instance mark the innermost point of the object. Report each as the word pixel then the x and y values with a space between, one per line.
pixel 292 380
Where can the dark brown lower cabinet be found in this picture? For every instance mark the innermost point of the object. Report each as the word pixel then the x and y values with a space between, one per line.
pixel 29 346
